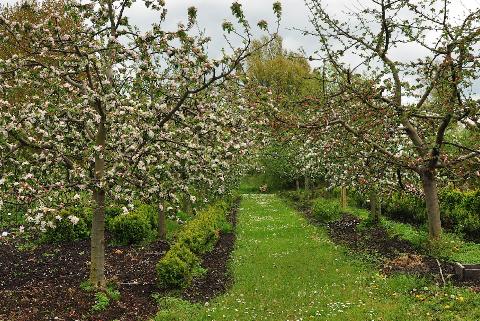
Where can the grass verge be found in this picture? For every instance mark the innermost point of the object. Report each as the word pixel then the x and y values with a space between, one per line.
pixel 451 247
pixel 287 269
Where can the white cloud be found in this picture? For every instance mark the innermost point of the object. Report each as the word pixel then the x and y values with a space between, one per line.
pixel 211 14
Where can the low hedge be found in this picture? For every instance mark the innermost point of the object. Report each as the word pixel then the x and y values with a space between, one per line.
pixel 182 262
pixel 405 207
pixel 75 223
pixel 68 225
pixel 460 211
pixel 326 210
pixel 130 228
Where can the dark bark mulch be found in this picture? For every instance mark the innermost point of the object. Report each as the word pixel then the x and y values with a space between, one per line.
pixel 44 283
pixel 395 255
pixel 374 239
pixel 218 278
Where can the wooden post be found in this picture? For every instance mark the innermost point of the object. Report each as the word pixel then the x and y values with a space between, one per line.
pixel 162 223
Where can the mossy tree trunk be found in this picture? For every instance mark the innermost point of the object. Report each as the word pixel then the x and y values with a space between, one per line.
pixel 97 254
pixel 430 190
pixel 343 197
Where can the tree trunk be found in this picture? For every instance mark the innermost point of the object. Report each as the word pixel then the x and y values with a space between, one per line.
pixel 97 254
pixel 187 204
pixel 379 209
pixel 343 197
pixel 429 183
pixel 297 184
pixel 162 224
pixel 375 207
pixel 307 183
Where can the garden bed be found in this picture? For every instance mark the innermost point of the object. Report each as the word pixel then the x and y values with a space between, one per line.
pixel 395 255
pixel 44 283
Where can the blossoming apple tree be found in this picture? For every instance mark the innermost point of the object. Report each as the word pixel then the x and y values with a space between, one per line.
pixel 405 108
pixel 115 111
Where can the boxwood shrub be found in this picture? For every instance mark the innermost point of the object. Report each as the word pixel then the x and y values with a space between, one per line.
pixel 182 262
pixel 178 267
pixel 326 210
pixel 460 211
pixel 66 230
pixel 131 228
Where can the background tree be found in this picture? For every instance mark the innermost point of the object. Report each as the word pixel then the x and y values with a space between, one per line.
pixel 392 110
pixel 288 81
pixel 89 128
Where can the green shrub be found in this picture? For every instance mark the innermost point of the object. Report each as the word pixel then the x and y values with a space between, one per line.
pixel 113 293
pixel 325 210
pixel 87 286
pixel 405 207
pixel 131 228
pixel 103 299
pixel 67 228
pixel 182 263
pixel 110 213
pixel 148 211
pixel 101 302
pixel 178 267
pixel 461 211
pixel 200 234
pixel 471 201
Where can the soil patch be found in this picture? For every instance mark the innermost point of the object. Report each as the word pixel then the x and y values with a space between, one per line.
pixel 218 278
pixel 393 254
pixel 43 284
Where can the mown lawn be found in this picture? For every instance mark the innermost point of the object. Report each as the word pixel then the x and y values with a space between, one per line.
pixel 286 269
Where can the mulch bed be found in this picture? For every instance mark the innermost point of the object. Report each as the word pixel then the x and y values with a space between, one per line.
pixel 44 284
pixel 374 239
pixel 394 255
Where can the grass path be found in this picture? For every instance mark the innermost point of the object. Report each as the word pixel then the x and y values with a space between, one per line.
pixel 286 269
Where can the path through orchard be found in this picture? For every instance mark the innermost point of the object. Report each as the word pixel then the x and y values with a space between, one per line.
pixel 286 269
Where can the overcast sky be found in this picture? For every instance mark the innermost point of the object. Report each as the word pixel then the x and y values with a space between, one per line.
pixel 211 14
